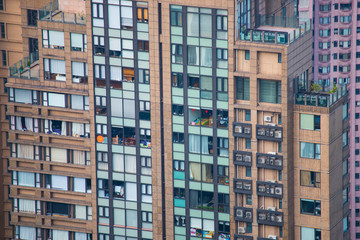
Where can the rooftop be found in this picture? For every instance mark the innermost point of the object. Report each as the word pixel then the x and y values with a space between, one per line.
pixel 64 11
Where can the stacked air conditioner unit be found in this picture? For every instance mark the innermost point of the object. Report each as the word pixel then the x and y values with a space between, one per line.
pixel 241 229
pixel 247 186
pixel 247 158
pixel 272 237
pixel 239 157
pixel 239 213
pixel 248 215
pixel 268 118
pixel 261 160
pixel 278 191
pixel 247 130
pixel 271 208
pixel 278 134
pixel 238 129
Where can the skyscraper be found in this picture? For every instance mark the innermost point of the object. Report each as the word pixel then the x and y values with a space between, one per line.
pixel 172 120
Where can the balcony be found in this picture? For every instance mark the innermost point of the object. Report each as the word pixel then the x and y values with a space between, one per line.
pixel 242 237
pixel 268 217
pixel 270 189
pixel 242 158
pixel 270 237
pixel 242 186
pixel 243 214
pixel 269 132
pixel 320 99
pixel 26 68
pixel 269 161
pixel 242 130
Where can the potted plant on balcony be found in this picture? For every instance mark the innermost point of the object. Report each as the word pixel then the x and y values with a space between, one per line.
pixel 316 88
pixel 21 68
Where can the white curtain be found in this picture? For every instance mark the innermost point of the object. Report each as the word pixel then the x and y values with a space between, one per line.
pixel 193 24
pixel 208 225
pixel 205 26
pixel 56 99
pixel 23 96
pixel 78 69
pixel 79 157
pixel 58 155
pixel 80 212
pixel 27 233
pixel 195 223
pixel 80 236
pixel 79 185
pixel 77 129
pixel 29 124
pixel 116 107
pixel 59 182
pixel 195 171
pixel 26 205
pixel 130 164
pixel 60 235
pixel 63 128
pixel 115 73
pixel 194 143
pixel 57 66
pixel 114 20
pixel 130 192
pixel 56 38
pixel 115 44
pixel 77 102
pixel 19 124
pixel 77 40
pixel 206 57
pixel 26 179
pixel 118 162
pixel 25 151
pixel 126 16
pixel 204 144
pixel 129 108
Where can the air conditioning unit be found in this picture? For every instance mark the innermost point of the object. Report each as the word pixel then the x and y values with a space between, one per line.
pixel 248 215
pixel 270 181
pixel 279 219
pixel 278 190
pixel 261 160
pixel 239 157
pixel 271 208
pixel 239 213
pixel 272 237
pixel 241 230
pixel 271 133
pixel 261 188
pixel 247 130
pixel 278 134
pixel 271 124
pixel 239 185
pixel 271 162
pixel 238 129
pixel 278 162
pixel 247 158
pixel 247 186
pixel 268 118
pixel 261 132
pixel 272 153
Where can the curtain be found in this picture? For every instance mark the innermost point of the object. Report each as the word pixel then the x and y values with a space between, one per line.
pixel 56 99
pixel 59 182
pixel 206 57
pixel 131 218
pixel 27 233
pixel 114 20
pixel 127 44
pixel 80 212
pixel 205 26
pixel 115 73
pixel 267 91
pixel 206 83
pixel 58 155
pixel 25 151
pixel 60 235
pixel 193 24
pixel 194 143
pixel 195 171
pixel 23 96
pixel 79 157
pixel 79 185
pixel 307 233
pixel 305 178
pixel 56 38
pixel 77 129
pixel 77 102
pixel 307 150
pixel 80 236
pixel 193 55
pixel 204 144
pixel 115 44
pixel 207 172
pixel 63 128
pixel 130 164
pixel 129 108
pixel 57 66
pixel 78 69
pixel 196 223
pixel 208 225
pixel 26 179
pixel 118 162
pixel 130 192
pixel 29 124
pixel 26 205
pixel 19 124
pixel 126 16
pixel 76 40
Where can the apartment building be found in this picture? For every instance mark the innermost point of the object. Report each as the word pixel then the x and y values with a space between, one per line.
pixel 171 120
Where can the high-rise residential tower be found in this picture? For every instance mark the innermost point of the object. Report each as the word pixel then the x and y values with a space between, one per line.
pixel 172 119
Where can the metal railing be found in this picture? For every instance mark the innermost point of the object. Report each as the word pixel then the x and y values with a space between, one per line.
pixel 320 99
pixel 26 67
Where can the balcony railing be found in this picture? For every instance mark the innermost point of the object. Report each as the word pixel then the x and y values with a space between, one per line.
pixel 268 217
pixel 26 68
pixel 272 238
pixel 242 158
pixel 242 237
pixel 242 130
pixel 320 99
pixel 269 132
pixel 270 189
pixel 243 214
pixel 270 161
pixel 242 186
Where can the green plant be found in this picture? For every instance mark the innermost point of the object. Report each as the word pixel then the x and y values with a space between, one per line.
pixel 334 89
pixel 28 63
pixel 21 68
pixel 316 87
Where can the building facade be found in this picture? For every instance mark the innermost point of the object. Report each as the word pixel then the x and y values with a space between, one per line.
pixel 171 120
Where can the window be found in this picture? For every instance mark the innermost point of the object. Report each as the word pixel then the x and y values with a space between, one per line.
pixel 79 72
pixel 224 230
pixel 205 56
pixel 221 26
pixel 80 102
pixel 193 55
pixel 179 221
pixel 179 165
pixel 147 219
pixel 32 17
pixel 345 111
pixel 223 147
pixel 145 165
pixel 144 113
pixel 24 124
pixel 143 46
pixel 270 91
pixel 222 88
pixel 247 115
pixel 201 172
pixel 178 137
pixel 324 32
pixel 279 57
pixel 54 70
pixel 325 20
pixel 146 193
pixel 248 200
pixel 177 80
pixel 99 46
pixel 114 47
pixel 142 12
pixel 4 57
pixel 223 175
pixel 176 16
pixel 144 76
pixel 54 99
pixel 224 203
pixel 345 6
pixel 177 53
pixel 345 139
pixel 1 5
pixel 309 122
pixel 78 42
pixel 178 110
pixel 103 188
pixel 308 206
pixel 248 171
pixel 310 150
pixel 248 143
pixel 202 200
pixel 23 96
pixel 53 39
pixel 2 29
pixel 179 193
pixel 324 45
pixel 309 179
pixel 98 14
pixel 222 118
pixel 310 233
pixel 242 88
pixel 200 144
pixel 221 58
